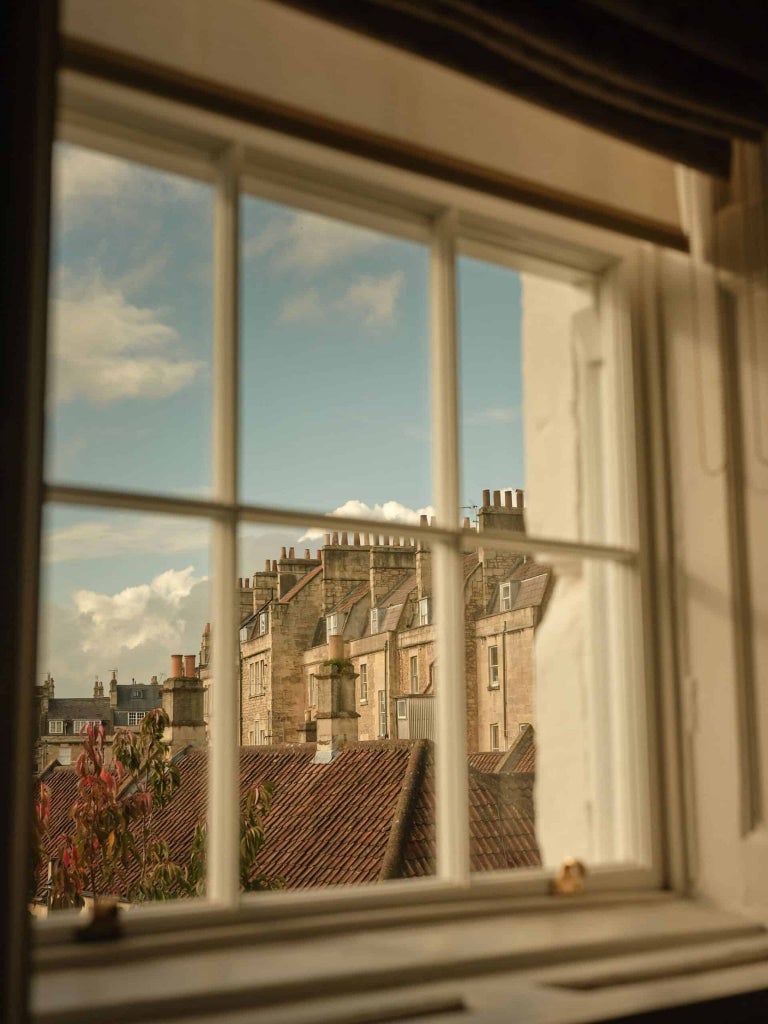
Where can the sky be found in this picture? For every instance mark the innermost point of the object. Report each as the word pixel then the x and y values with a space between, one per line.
pixel 334 401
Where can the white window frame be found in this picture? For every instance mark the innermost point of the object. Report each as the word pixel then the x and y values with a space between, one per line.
pixel 80 723
pixel 376 615
pixel 55 726
pixel 494 736
pixel 447 217
pixel 263 623
pixel 136 717
pixel 413 673
pixel 333 625
pixel 505 597
pixel 402 710
pixel 383 717
pixel 493 667
pixel 424 611
pixel 364 682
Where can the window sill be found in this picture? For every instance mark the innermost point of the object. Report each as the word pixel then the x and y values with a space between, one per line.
pixel 543 956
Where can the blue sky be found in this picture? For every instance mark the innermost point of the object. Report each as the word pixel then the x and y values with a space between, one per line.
pixel 334 399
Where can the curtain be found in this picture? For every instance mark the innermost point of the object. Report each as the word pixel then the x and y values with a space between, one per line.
pixel 681 77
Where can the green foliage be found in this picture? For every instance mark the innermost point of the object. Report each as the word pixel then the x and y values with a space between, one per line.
pixel 342 664
pixel 113 818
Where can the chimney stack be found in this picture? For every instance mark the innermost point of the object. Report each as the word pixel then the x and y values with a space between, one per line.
pixel 336 718
pixel 177 670
pixel 291 553
pixel 189 666
pixel 307 554
pixel 113 689
pixel 283 553
pixel 274 565
pixel 508 499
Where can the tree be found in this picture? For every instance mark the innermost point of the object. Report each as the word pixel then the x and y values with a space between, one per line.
pixel 113 847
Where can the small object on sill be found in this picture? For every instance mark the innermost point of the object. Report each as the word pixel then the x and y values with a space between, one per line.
pixel 570 877
pixel 104 924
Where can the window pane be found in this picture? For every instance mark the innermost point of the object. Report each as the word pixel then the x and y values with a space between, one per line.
pixel 129 382
pixel 558 718
pixel 335 375
pixel 546 407
pixel 124 634
pixel 341 724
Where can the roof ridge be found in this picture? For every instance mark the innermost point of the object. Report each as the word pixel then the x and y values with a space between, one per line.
pixel 300 584
pixel 391 862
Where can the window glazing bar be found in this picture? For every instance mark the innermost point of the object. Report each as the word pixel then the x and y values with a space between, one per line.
pixel 452 810
pixel 222 883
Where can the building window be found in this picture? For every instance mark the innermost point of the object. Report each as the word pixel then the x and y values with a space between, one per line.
pixel 138 693
pixel 382 714
pixel 64 756
pixel 312 689
pixel 261 678
pixel 402 710
pixel 364 683
pixel 55 727
pixel 80 723
pixel 332 625
pixel 262 737
pixel 377 619
pixel 134 717
pixel 252 679
pixel 252 737
pixel 493 667
pixel 505 597
pixel 255 732
pixel 414 673
pixel 263 623
pixel 495 736
pixel 424 611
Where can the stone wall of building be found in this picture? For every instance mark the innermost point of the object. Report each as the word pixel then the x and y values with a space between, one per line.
pixel 509 705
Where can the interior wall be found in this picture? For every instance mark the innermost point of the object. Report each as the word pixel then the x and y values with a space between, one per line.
pixel 267 49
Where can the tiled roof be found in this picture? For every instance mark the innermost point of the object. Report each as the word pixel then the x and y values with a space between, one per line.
pixel 96 709
pixel 352 597
pixel 522 756
pixel 367 815
pixel 527 761
pixel 487 760
pixel 152 697
pixel 298 587
pixel 399 593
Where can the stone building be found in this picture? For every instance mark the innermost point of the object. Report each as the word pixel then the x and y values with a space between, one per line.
pixel 60 720
pixel 372 595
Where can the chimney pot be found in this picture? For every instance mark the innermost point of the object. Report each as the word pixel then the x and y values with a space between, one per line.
pixel 344 539
pixel 189 666
pixel 154 680
pixel 247 582
pixel 274 565
pixel 240 582
pixel 283 553
pixel 520 498
pixel 307 554
pixel 319 555
pixel 207 627
pixel 466 523
pixel 267 565
pixel 326 539
pixel 335 538
pixel 176 666
pixel 486 498
pixel 291 553
pixel 508 499
pixel 496 499
pixel 423 520
pixel 356 539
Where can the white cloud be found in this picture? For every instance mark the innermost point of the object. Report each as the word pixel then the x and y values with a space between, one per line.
pixel 106 348
pixel 135 616
pixel 123 535
pixel 85 174
pixel 308 242
pixel 389 511
pixel 372 300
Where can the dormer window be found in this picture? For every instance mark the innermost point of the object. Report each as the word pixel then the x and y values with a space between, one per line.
pixel 138 693
pixel 332 625
pixel 505 597
pixel 377 620
pixel 425 611
pixel 56 727
pixel 263 623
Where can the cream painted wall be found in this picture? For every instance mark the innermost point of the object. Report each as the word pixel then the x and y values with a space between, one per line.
pixel 272 51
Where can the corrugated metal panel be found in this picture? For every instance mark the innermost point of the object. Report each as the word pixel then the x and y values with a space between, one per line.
pixel 421 718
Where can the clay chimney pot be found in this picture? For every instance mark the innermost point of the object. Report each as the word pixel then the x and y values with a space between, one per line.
pixel 486 499
pixel 344 539
pixel 283 553
pixel 274 565
pixel 189 666
pixel 307 554
pixel 507 499
pixel 177 670
pixel 291 553
pixel 496 499
pixel 519 498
